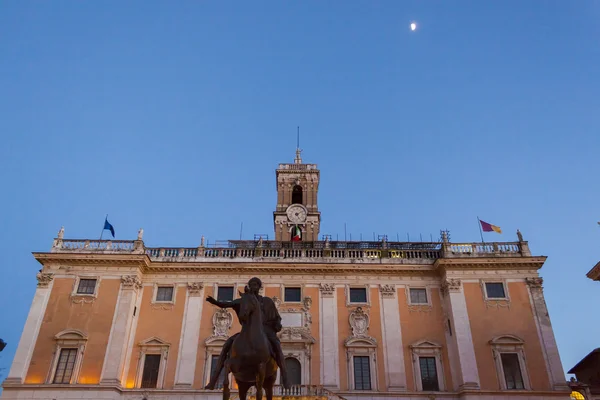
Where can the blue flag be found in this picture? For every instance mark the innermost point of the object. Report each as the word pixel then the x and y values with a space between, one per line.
pixel 108 226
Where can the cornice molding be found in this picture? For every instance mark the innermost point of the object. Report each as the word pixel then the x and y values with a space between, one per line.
pixel 490 263
pixel 594 273
pixel 136 260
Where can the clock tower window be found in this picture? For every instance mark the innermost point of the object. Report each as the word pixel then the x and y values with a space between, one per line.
pixel 297 194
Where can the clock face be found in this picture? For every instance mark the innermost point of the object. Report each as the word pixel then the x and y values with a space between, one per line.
pixel 296 213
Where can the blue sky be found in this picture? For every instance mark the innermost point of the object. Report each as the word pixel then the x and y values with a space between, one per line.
pixel 172 116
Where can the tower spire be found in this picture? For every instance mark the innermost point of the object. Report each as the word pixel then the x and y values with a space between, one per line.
pixel 298 159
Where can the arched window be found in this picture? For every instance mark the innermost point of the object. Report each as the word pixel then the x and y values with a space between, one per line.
pixel 294 371
pixel 297 195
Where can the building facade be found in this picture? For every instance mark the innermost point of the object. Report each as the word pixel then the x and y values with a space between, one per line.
pixel 586 384
pixel 115 319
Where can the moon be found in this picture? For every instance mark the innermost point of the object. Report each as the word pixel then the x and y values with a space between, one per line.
pixel 413 26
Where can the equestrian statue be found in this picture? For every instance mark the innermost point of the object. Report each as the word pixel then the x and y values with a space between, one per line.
pixel 253 354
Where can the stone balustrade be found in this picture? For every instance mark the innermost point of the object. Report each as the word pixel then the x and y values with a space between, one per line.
pixel 322 251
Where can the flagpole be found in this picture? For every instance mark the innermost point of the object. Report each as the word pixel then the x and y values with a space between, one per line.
pixel 480 231
pixel 102 232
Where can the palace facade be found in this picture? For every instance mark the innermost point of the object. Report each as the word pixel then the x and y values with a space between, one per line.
pixel 114 319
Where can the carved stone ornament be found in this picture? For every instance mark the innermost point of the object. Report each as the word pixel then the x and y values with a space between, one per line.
pixel 387 291
pixel 131 282
pixel 497 304
pixel 307 303
pixel 359 322
pixel 194 288
pixel 221 323
pixel 277 302
pixel 534 283
pixel 44 279
pixel 451 285
pixel 327 289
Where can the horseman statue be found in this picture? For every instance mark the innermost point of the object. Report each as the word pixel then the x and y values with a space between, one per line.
pixel 242 354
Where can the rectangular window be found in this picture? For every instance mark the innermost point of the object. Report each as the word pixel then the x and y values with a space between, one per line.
pixel 150 374
pixel 225 293
pixel 213 365
pixel 292 294
pixel 65 366
pixel 495 290
pixel 358 295
pixel 86 286
pixel 164 293
pixel 362 373
pixel 418 296
pixel 512 371
pixel 429 378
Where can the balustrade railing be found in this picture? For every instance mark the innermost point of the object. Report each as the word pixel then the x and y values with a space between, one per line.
pixel 391 252
pixel 296 391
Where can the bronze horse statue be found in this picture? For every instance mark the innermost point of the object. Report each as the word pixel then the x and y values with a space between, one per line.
pixel 250 359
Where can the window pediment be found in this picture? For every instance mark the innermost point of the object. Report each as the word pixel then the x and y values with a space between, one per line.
pixel 153 341
pixel 505 340
pixel 71 334
pixel 366 341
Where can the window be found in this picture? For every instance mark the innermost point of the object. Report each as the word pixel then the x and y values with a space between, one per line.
pixel 150 374
pixel 512 371
pixel 152 360
pixel 427 366
pixel 164 293
pixel 292 294
pixel 495 290
pixel 429 378
pixel 68 354
pixel 297 195
pixel 418 296
pixel 294 371
pixel 225 293
pixel 213 365
pixel 358 295
pixel 86 286
pixel 511 367
pixel 65 366
pixel 362 373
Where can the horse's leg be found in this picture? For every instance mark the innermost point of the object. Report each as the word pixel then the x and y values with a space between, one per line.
pixel 243 390
pixel 260 379
pixel 268 384
pixel 226 391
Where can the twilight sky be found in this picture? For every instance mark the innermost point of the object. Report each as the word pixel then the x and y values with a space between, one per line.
pixel 172 116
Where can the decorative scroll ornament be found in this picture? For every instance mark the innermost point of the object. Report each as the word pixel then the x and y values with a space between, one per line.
pixel 44 279
pixel 534 283
pixel 387 291
pixel 327 289
pixel 359 321
pixel 221 323
pixel 131 282
pixel 194 288
pixel 451 285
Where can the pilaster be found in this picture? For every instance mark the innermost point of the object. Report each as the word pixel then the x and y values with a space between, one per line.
pixel 20 364
pixel 393 354
pixel 468 375
pixel 546 334
pixel 188 348
pixel 330 370
pixel 116 350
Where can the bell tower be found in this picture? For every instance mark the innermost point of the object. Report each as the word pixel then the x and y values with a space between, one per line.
pixel 297 216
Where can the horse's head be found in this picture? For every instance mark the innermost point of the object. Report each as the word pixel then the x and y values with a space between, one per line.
pixel 248 305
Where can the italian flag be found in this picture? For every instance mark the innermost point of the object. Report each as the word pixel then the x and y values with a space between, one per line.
pixel 296 234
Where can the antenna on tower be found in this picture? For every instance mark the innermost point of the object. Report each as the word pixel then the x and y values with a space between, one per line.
pixel 298 159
